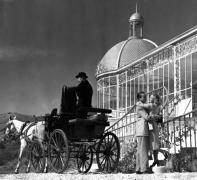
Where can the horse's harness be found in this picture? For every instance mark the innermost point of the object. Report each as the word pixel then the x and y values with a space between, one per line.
pixel 16 135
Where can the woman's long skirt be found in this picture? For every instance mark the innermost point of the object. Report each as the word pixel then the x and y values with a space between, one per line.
pixel 154 137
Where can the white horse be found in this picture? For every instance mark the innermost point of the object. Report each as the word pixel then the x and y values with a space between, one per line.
pixel 26 132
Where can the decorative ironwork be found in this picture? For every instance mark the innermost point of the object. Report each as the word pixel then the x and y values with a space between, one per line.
pixel 113 80
pixel 160 58
pixel 100 84
pixel 122 78
pixel 186 47
pixel 136 70
pixel 177 75
pixel 101 68
pixel 106 81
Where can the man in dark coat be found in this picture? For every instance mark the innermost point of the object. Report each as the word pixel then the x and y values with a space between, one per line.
pixel 84 93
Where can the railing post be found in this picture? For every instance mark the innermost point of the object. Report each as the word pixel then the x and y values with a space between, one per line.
pixel 193 115
pixel 185 132
pixel 180 133
pixel 168 131
pixel 190 128
pixel 174 136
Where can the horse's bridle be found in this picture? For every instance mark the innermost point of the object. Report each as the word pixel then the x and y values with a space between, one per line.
pixel 12 134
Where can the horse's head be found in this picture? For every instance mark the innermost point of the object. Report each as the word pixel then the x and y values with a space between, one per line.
pixel 10 128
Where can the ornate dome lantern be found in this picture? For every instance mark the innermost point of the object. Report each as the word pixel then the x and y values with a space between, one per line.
pixel 136 22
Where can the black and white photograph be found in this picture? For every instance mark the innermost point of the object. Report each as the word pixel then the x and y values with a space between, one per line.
pixel 98 89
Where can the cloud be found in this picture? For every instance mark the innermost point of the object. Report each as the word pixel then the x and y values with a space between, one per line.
pixel 14 53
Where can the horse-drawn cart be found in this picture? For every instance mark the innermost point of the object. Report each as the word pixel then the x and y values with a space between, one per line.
pixel 82 139
pixel 58 137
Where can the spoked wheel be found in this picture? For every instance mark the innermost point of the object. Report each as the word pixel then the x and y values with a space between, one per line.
pixel 37 156
pixel 58 151
pixel 84 158
pixel 108 152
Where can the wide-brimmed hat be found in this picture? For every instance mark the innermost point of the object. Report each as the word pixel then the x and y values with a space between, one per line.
pixel 81 74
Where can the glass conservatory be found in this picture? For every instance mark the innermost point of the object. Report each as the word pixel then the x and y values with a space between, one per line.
pixel 170 70
pixel 138 64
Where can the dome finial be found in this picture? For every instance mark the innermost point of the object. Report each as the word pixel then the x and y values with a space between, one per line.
pixel 136 6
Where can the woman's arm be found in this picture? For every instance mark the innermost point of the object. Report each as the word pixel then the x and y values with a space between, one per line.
pixel 145 105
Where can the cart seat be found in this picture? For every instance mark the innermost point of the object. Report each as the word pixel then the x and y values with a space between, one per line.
pixel 94 119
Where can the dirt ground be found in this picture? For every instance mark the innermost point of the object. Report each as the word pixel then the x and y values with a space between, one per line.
pixel 99 176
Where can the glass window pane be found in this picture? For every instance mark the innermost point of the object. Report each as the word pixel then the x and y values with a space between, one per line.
pixel 171 77
pixel 183 94
pixel 101 98
pixel 194 80
pixel 106 97
pixel 136 85
pixel 132 92
pixel 98 98
pixel 161 76
pixel 166 77
pixel 156 79
pixel 124 95
pixel 145 82
pixel 128 93
pixel 188 71
pixel 150 81
pixel 120 96
pixel 139 83
pixel 113 98
pixel 188 93
pixel 182 72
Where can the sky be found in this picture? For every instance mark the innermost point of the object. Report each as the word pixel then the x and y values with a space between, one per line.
pixel 45 43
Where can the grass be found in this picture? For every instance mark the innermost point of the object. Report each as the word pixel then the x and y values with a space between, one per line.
pixel 8 157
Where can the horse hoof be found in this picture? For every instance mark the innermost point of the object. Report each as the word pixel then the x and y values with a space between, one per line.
pixel 16 172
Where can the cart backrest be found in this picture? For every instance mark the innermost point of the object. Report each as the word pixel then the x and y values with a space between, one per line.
pixel 68 100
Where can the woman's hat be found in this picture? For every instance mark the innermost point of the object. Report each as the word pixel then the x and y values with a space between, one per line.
pixel 81 74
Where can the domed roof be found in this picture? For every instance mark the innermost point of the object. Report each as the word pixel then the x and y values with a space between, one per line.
pixel 136 17
pixel 110 60
pixel 134 49
pixel 124 53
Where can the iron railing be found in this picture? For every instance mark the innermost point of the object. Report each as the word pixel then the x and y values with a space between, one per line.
pixel 180 132
pixel 179 135
pixel 124 127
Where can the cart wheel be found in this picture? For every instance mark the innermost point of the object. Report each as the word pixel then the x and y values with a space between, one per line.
pixel 108 152
pixel 84 158
pixel 58 151
pixel 37 156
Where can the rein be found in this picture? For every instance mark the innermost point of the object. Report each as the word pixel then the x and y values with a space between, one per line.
pixel 16 135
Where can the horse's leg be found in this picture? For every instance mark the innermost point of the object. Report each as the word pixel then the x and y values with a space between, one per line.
pixel 46 165
pixel 46 159
pixel 29 159
pixel 22 147
pixel 46 137
pixel 28 166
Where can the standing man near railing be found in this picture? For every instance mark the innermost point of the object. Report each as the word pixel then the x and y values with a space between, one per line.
pixel 142 135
